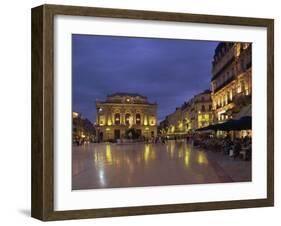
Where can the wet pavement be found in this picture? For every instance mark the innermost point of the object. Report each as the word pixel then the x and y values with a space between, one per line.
pixel 108 165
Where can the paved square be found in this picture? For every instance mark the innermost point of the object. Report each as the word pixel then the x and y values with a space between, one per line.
pixel 108 165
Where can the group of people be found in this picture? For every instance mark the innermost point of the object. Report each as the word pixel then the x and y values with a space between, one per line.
pixel 79 142
pixel 155 140
pixel 233 147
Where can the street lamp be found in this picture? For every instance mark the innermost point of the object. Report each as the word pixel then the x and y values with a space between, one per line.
pixel 99 110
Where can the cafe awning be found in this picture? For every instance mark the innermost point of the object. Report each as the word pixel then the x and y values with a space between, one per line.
pixel 244 123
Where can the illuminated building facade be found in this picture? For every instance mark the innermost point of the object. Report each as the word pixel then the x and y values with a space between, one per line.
pixel 122 111
pixel 231 79
pixel 82 128
pixel 175 122
pixel 194 114
pixel 199 112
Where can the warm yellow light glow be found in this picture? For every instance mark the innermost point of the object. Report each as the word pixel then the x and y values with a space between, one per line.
pixel 238 50
pixel 246 89
pixel 146 152
pixel 145 120
pixel 102 120
pixel 203 119
pixel 180 125
pixel 75 114
pixel 202 158
pixel 146 128
pixel 152 120
pixel 82 135
pixel 239 89
pixel 107 129
pixel 207 117
pixel 109 122
pixel 186 158
pixel 108 154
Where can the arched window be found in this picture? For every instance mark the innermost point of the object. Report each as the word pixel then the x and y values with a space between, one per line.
pixel 127 119
pixel 117 119
pixel 138 119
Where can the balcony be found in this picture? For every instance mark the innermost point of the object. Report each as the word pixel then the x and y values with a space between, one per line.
pixel 229 80
pixel 218 72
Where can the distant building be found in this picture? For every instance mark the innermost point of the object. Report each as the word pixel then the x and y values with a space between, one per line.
pixel 193 114
pixel 198 113
pixel 122 111
pixel 231 79
pixel 175 122
pixel 82 128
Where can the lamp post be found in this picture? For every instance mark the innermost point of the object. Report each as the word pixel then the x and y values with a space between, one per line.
pixel 99 110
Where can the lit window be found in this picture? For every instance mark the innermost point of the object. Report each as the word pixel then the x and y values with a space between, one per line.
pixel 239 88
pixel 117 119
pixel 138 119
pixel 127 119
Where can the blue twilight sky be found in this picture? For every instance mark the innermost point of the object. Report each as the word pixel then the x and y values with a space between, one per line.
pixel 168 71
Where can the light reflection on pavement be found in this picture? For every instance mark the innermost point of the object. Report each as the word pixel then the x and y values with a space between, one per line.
pixel 108 165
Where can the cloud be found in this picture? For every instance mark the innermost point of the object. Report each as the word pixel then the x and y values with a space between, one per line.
pixel 166 71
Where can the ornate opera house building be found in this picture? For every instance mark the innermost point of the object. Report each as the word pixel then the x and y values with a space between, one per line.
pixel 123 111
pixel 231 79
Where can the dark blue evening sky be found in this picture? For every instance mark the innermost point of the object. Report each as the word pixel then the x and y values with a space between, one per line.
pixel 167 71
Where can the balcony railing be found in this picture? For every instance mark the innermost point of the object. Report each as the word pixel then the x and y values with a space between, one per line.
pixel 224 84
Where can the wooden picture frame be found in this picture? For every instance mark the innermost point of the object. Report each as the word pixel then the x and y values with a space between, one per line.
pixel 43 112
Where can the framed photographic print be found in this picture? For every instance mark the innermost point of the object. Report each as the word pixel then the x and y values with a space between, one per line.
pixel 141 112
